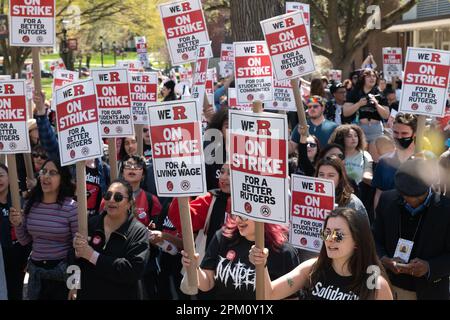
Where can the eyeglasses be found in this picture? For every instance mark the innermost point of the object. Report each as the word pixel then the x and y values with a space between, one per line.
pixel 336 236
pixel 43 156
pixel 311 144
pixel 314 106
pixel 118 197
pixel 50 173
pixel 132 166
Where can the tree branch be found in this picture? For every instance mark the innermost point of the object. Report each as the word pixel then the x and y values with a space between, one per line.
pixel 322 51
pixel 318 12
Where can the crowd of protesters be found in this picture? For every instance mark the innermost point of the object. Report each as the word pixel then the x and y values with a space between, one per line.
pixel 386 193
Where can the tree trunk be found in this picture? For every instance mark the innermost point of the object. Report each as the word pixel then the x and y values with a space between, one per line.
pixel 246 15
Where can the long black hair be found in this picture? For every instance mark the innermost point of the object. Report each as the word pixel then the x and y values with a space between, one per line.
pixel 66 187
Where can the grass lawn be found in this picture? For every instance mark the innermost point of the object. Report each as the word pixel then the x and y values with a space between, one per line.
pixel 47 87
pixel 108 59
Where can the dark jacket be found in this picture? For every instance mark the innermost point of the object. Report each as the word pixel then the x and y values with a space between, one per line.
pixel 120 265
pixel 432 245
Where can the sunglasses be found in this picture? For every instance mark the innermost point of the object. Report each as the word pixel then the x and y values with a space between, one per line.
pixel 336 236
pixel 311 144
pixel 51 173
pixel 39 155
pixel 118 197
pixel 314 106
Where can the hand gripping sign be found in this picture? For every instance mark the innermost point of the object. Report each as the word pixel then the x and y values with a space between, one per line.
pixel 426 80
pixel 14 136
pixel 289 45
pixel 185 28
pixel 312 201
pixel 178 160
pixel 258 166
pixel 203 54
pixel 253 72
pixel 143 92
pixel 113 100
pixel 283 96
pixel 303 7
pixel 79 134
pixel 392 63
pixel 32 23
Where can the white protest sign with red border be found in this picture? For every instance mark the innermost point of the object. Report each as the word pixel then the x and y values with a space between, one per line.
pixel 204 52
pixel 312 201
pixel 132 66
pixel 143 93
pixel 233 104
pixel 29 83
pixel 258 166
pixel 253 72
pixel 392 63
pixel 185 28
pixel 177 149
pixel 141 50
pixel 335 74
pixel 114 103
pixel 426 79
pixel 14 137
pixel 283 96
pixel 289 45
pixel 32 23
pixel 226 64
pixel 209 85
pixel 61 77
pixel 303 7
pixel 79 134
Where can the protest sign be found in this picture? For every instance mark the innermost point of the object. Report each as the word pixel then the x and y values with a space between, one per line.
pixel 258 165
pixel 113 100
pixel 141 50
pixel 209 85
pixel 79 135
pixel 185 28
pixel 143 92
pixel 335 75
pixel 14 136
pixel 289 45
pixel 203 54
pixel 233 104
pixel 392 63
pixel 426 80
pixel 312 201
pixel 132 66
pixel 253 72
pixel 32 23
pixel 226 64
pixel 61 77
pixel 57 64
pixel 303 7
pixel 177 149
pixel 283 96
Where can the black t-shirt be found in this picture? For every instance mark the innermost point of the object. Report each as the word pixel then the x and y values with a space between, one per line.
pixel 331 286
pixel 93 190
pixel 234 273
pixel 6 230
pixel 369 111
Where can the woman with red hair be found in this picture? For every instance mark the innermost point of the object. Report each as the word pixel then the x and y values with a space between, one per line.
pixel 226 266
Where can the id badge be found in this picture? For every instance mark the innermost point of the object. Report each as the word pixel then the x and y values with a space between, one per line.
pixel 403 250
